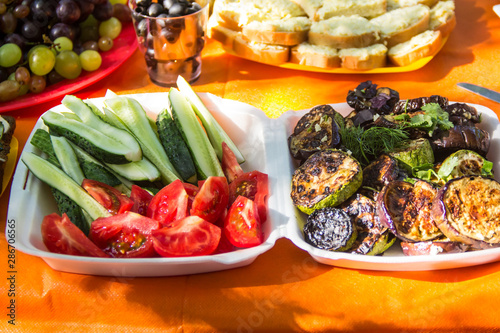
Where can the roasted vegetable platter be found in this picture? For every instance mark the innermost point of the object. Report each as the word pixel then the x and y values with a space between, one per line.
pixel 263 142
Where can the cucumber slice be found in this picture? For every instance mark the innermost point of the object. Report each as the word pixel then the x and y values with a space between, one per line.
pixel 142 170
pixel 41 140
pixel 85 113
pixel 90 139
pixel 216 134
pixel 202 152
pixel 67 158
pixel 56 178
pixel 131 113
pixel 175 147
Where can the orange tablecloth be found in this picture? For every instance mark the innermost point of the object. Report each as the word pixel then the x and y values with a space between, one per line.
pixel 284 289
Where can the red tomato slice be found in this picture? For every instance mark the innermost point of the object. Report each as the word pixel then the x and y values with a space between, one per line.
pixel 112 199
pixel 61 236
pixel 141 199
pixel 126 235
pixel 212 199
pixel 229 163
pixel 192 236
pixel 253 185
pixel 170 204
pixel 191 190
pixel 242 225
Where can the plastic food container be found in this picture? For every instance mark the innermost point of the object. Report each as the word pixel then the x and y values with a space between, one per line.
pixel 263 141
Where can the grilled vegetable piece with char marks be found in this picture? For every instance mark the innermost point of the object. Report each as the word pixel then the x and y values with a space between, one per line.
pixel 467 210
pixel 405 209
pixel 435 247
pixel 461 113
pixel 368 96
pixel 381 172
pixel 373 238
pixel 316 130
pixel 326 179
pixel 461 137
pixel 465 163
pixel 416 104
pixel 330 229
pixel 414 153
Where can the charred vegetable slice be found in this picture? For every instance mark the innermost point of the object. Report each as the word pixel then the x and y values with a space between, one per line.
pixel 461 137
pixel 373 238
pixel 416 104
pixel 381 172
pixel 316 130
pixel 330 229
pixel 465 163
pixel 435 247
pixel 413 154
pixel 405 208
pixel 325 179
pixel 467 210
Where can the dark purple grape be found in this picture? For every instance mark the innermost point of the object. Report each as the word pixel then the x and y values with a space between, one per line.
pixel 103 12
pixel 168 3
pixel 143 3
pixel 16 39
pixel 177 9
pixel 86 8
pixel 142 28
pixel 45 9
pixel 90 45
pixel 31 31
pixel 170 35
pixel 155 9
pixel 122 12
pixel 4 74
pixel 21 11
pixel 53 77
pixel 8 23
pixel 61 29
pixel 194 8
pixel 68 11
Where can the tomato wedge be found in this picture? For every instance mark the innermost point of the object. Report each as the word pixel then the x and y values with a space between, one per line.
pixel 242 225
pixel 212 199
pixel 229 163
pixel 191 191
pixel 126 235
pixel 108 196
pixel 169 205
pixel 253 185
pixel 192 236
pixel 61 236
pixel 141 199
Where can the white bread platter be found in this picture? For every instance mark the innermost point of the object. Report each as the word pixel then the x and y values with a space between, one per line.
pixel 263 141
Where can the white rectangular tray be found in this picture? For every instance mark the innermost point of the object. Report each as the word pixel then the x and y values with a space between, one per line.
pixel 263 141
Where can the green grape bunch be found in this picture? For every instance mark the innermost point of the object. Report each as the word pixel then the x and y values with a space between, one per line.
pixel 43 42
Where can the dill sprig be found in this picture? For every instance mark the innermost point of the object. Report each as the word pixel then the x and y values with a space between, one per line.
pixel 370 143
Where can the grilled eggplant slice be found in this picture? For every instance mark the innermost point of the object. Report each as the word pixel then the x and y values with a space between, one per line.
pixel 373 238
pixel 405 209
pixel 368 96
pixel 435 247
pixel 467 210
pixel 462 114
pixel 381 172
pixel 461 137
pixel 330 229
pixel 465 163
pixel 316 130
pixel 326 179
pixel 415 104
pixel 414 153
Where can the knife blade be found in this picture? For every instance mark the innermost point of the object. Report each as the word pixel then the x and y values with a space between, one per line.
pixel 481 91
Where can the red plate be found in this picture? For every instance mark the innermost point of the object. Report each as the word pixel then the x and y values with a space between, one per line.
pixel 124 46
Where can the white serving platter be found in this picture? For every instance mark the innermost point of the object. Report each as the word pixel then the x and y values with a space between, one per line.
pixel 263 141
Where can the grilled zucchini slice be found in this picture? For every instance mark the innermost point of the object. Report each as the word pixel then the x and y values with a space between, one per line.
pixel 326 179
pixel 413 154
pixel 465 163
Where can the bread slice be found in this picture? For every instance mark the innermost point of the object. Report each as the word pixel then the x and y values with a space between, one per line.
pixel 290 31
pixel 443 17
pixel 364 8
pixel 423 45
pixel 373 56
pixel 260 52
pixel 310 7
pixel 399 25
pixel 315 55
pixel 343 32
pixel 8 126
pixel 223 35
pixel 395 4
pixel 227 14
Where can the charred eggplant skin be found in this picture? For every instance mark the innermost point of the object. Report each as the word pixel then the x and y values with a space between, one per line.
pixel 381 172
pixel 330 229
pixel 461 137
pixel 326 179
pixel 432 247
pixel 415 104
pixel 316 130
pixel 405 209
pixel 467 210
pixel 368 96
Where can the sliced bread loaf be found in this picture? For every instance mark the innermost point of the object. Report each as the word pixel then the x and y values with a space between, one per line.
pixel 443 17
pixel 365 8
pixel 343 32
pixel 420 46
pixel 394 4
pixel 373 56
pixel 291 31
pixel 315 55
pixel 260 52
pixel 399 25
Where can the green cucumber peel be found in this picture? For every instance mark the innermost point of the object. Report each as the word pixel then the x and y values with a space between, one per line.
pixel 215 132
pixel 133 116
pixel 58 179
pixel 203 154
pixel 67 158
